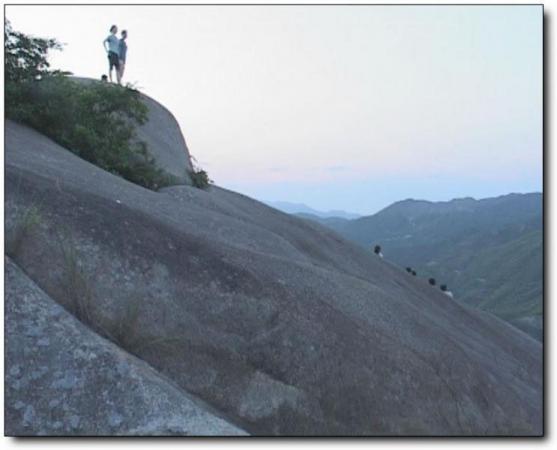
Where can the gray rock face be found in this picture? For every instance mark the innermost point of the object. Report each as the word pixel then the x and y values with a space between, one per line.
pixel 165 141
pixel 63 379
pixel 278 323
pixel 533 325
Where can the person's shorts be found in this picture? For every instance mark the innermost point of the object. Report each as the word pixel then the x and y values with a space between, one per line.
pixel 113 61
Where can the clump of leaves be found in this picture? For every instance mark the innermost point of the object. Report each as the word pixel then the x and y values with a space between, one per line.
pixel 199 177
pixel 25 57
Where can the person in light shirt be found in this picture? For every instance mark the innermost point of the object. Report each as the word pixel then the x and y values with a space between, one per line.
pixel 111 46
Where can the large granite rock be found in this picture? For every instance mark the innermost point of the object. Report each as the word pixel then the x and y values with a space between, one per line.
pixel 63 379
pixel 165 141
pixel 278 323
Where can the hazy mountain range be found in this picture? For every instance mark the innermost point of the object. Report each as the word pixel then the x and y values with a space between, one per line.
pixel 489 252
pixel 300 208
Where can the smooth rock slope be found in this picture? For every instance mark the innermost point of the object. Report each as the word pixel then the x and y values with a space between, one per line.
pixel 165 141
pixel 280 325
pixel 63 379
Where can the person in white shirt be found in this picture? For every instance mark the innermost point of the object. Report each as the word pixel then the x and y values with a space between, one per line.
pixel 112 50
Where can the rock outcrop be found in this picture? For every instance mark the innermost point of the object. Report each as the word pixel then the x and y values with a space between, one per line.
pixel 279 324
pixel 63 379
pixel 164 139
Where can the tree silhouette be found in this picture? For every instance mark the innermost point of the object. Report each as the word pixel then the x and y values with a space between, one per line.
pixel 409 269
pixel 26 56
pixel 432 281
pixel 443 287
pixel 377 249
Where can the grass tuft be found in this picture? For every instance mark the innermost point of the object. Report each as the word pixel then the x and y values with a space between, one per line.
pixel 27 219
pixel 76 284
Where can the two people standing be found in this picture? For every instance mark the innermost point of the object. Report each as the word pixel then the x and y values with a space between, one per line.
pixel 116 50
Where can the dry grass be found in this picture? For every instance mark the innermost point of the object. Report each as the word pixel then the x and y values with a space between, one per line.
pixel 76 283
pixel 123 326
pixel 26 220
pixel 125 330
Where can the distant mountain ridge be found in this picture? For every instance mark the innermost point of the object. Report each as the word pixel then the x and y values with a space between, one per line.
pixel 300 208
pixel 489 251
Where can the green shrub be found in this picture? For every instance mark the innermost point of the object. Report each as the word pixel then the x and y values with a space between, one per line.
pixel 200 179
pixel 95 120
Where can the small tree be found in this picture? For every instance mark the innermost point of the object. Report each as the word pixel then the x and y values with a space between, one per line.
pixel 443 287
pixel 432 281
pixel 25 57
pixel 409 269
pixel 377 249
pixel 414 272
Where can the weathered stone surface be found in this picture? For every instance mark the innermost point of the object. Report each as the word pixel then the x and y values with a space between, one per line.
pixel 63 379
pixel 165 141
pixel 532 325
pixel 279 324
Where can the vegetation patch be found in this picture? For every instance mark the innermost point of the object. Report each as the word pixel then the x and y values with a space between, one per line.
pixel 199 177
pixel 26 220
pixel 125 330
pixel 77 287
pixel 95 120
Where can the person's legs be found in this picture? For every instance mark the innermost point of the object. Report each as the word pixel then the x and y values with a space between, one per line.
pixel 109 68
pixel 122 68
pixel 114 62
pixel 118 75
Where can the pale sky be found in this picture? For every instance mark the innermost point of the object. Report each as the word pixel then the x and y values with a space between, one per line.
pixel 337 107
